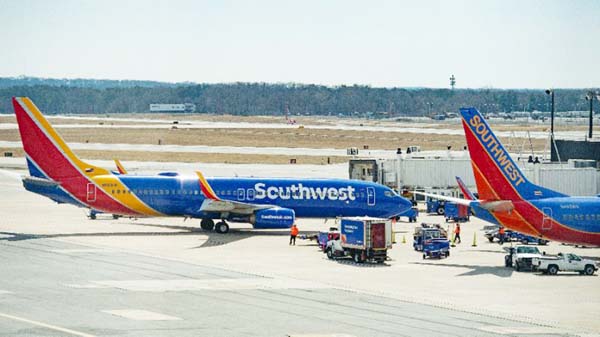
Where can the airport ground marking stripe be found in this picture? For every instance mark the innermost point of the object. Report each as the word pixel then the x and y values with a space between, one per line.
pixel 382 293
pixel 46 325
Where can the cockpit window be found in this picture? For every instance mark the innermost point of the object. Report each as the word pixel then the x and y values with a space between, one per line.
pixel 387 193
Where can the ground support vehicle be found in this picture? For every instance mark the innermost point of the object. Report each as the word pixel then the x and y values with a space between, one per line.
pixel 564 262
pixel 362 239
pixel 436 248
pixel 456 212
pixel 432 240
pixel 436 206
pixel 521 257
pixel 510 236
pixel 412 214
pixel 527 239
pixel 93 215
pixel 326 236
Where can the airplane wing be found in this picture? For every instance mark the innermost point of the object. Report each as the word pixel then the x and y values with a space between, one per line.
pixel 213 203
pixel 492 205
pixel 443 197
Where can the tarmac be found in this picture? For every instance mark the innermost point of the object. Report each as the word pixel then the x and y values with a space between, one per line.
pixel 66 275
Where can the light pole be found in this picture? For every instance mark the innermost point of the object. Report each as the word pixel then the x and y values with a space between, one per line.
pixel 551 93
pixel 590 97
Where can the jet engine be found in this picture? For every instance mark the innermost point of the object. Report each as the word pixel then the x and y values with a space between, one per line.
pixel 273 218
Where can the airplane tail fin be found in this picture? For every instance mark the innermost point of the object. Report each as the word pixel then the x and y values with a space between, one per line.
pixel 465 190
pixel 48 156
pixel 497 176
pixel 206 188
pixel 120 167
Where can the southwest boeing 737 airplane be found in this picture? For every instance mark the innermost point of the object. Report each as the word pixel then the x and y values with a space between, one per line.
pixel 57 173
pixel 506 195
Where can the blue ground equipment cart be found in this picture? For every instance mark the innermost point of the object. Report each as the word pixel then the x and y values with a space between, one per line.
pixel 411 214
pixel 432 240
pixel 436 206
pixel 456 212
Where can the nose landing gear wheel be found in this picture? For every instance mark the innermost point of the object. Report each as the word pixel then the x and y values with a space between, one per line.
pixel 221 227
pixel 207 224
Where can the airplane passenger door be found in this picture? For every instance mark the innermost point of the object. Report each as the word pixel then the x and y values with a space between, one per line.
pixel 547 218
pixel 241 194
pixel 370 196
pixel 91 192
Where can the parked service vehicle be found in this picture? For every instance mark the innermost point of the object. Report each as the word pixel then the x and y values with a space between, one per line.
pixel 527 239
pixel 411 214
pixel 510 236
pixel 325 236
pixel 362 239
pixel 521 257
pixel 565 262
pixel 436 206
pixel 456 212
pixel 432 240
pixel 436 248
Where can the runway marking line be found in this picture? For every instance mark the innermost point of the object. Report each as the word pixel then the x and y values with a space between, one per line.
pixel 141 315
pixel 46 325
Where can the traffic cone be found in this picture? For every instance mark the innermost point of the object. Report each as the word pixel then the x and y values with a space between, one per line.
pixel 474 240
pixel 403 238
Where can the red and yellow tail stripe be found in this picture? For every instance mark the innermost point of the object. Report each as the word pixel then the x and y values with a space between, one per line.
pixel 205 187
pixel 50 153
pixel 525 217
pixel 120 167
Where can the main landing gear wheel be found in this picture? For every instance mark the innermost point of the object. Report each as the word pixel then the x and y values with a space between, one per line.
pixel 207 224
pixel 221 227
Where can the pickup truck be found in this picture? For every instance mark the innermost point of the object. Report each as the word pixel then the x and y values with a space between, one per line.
pixel 564 262
pixel 521 257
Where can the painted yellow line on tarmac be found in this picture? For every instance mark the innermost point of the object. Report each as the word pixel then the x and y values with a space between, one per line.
pixel 47 326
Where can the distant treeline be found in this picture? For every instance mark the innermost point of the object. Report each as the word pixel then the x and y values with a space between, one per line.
pixel 108 96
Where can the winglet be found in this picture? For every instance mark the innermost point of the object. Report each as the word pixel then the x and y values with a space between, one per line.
pixel 205 187
pixel 120 167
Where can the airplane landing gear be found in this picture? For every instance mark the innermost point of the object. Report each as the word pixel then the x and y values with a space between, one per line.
pixel 222 227
pixel 207 224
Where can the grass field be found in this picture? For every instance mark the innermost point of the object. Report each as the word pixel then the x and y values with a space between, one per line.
pixel 295 137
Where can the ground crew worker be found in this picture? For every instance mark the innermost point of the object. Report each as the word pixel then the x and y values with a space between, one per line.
pixel 457 233
pixel 501 234
pixel 293 234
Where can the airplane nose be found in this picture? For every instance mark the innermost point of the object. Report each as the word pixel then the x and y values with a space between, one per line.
pixel 405 203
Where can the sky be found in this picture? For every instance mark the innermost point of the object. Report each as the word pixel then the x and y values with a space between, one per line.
pixel 420 43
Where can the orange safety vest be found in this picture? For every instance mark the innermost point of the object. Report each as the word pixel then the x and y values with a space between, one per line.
pixel 294 231
pixel 457 230
pixel 501 230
